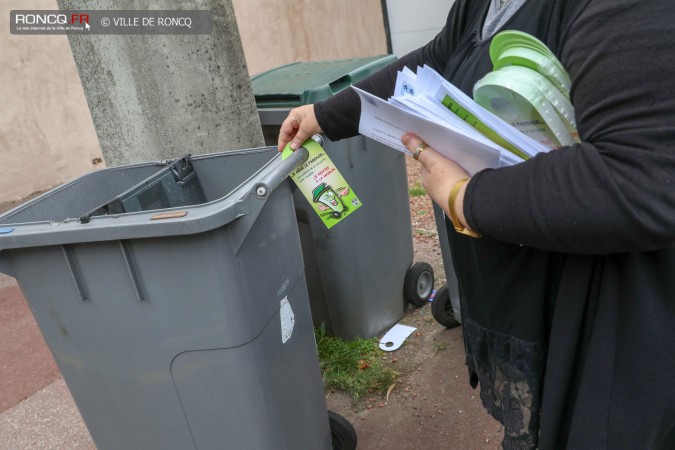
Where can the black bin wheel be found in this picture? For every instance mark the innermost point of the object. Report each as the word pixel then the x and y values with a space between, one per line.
pixel 441 308
pixel 418 284
pixel 342 432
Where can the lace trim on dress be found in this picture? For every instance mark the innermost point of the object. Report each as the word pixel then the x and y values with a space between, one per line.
pixel 509 371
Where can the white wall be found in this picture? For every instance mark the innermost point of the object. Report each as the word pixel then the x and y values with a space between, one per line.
pixel 277 32
pixel 46 133
pixel 414 23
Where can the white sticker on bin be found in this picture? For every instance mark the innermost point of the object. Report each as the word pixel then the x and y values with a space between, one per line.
pixel 395 337
pixel 287 320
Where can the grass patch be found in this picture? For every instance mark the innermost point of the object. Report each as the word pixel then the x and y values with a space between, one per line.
pixel 427 233
pixel 417 190
pixel 355 366
pixel 440 346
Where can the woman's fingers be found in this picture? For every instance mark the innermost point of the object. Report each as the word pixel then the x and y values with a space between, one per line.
pixel 439 173
pixel 414 144
pixel 288 130
pixel 299 126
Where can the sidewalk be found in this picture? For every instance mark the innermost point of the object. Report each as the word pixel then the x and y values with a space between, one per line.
pixel 48 419
pixel 36 409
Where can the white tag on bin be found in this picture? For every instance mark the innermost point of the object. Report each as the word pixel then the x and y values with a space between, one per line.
pixel 287 320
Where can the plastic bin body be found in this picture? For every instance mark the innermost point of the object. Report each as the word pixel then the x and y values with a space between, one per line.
pixel 168 333
pixel 448 265
pixel 355 270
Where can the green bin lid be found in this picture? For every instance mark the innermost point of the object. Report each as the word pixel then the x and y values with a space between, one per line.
pixel 303 83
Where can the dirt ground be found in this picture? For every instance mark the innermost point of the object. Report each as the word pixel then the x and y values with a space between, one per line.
pixel 431 406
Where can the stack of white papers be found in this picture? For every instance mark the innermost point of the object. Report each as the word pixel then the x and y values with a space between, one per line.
pixel 448 120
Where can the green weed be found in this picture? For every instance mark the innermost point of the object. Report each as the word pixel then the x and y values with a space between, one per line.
pixel 417 190
pixel 427 233
pixel 352 366
pixel 440 346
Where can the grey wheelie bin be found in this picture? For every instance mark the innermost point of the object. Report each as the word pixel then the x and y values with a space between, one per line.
pixel 184 327
pixel 360 273
pixel 446 305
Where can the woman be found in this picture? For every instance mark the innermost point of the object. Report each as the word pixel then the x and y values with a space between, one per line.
pixel 568 298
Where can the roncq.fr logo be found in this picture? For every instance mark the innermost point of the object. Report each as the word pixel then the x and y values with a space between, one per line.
pixel 51 19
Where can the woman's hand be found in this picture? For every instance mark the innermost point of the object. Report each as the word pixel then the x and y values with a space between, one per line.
pixel 439 175
pixel 299 126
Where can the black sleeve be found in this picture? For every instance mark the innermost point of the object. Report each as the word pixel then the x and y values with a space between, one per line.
pixel 615 192
pixel 339 115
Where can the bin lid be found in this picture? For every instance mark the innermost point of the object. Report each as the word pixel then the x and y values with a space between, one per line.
pixel 303 83
pixel 230 191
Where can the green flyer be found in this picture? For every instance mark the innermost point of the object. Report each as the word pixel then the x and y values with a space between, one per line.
pixel 323 185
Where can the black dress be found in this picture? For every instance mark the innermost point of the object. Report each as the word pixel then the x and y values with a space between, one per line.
pixel 568 302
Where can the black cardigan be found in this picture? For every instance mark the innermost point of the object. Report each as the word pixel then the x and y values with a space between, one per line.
pixel 569 301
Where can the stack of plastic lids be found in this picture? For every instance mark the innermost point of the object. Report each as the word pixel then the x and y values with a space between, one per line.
pixel 528 88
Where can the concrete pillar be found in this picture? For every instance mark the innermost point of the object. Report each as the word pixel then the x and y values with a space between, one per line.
pixel 160 97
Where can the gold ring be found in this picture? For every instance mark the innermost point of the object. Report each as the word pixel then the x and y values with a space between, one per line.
pixel 420 148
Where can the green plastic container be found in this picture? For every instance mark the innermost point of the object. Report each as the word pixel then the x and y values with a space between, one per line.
pixel 302 83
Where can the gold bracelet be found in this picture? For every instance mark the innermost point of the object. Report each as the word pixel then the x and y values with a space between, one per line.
pixel 459 228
